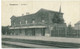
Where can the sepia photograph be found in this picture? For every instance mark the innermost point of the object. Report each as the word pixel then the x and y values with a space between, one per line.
pixel 40 24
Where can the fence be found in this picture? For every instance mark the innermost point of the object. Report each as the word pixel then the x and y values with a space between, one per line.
pixel 63 33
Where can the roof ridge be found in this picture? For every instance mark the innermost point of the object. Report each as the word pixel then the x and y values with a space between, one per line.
pixel 42 9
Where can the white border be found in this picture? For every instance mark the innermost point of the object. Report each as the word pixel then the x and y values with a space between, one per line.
pixel 0 27
pixel 27 0
pixel 41 0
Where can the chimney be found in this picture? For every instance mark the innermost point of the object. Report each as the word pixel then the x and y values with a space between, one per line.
pixel 27 13
pixel 22 14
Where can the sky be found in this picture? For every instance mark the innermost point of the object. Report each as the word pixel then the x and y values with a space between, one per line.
pixel 71 9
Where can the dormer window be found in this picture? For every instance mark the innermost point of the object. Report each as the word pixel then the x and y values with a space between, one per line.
pixel 26 21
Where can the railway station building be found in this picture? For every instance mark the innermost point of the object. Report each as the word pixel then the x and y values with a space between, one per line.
pixel 77 26
pixel 40 23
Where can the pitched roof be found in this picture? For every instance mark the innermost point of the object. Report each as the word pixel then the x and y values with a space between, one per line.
pixel 39 13
pixel 45 10
pixel 78 23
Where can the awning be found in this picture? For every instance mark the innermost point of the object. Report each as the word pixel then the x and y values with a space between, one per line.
pixel 27 27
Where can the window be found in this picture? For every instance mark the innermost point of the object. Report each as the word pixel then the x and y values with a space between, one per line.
pixel 14 23
pixel 43 20
pixel 26 21
pixel 33 21
pixel 20 22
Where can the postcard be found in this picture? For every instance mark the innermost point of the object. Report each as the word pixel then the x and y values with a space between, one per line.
pixel 40 24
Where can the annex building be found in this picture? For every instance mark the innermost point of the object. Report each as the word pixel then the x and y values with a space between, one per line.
pixel 40 23
pixel 77 26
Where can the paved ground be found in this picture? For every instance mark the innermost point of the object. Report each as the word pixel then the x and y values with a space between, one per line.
pixel 58 39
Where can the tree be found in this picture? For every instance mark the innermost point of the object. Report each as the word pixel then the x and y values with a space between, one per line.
pixel 57 19
pixel 5 30
pixel 70 30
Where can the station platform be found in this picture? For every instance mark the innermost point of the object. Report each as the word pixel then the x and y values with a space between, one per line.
pixel 44 38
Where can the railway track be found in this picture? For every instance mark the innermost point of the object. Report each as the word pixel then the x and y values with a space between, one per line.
pixel 44 43
pixel 23 45
pixel 13 46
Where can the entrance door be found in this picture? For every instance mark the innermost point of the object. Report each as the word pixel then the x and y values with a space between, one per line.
pixel 43 31
pixel 26 31
pixel 33 32
pixel 23 32
pixel 38 32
